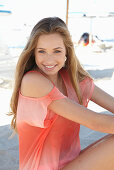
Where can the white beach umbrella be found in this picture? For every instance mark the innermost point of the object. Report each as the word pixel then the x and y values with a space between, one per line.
pixel 90 9
pixel 91 16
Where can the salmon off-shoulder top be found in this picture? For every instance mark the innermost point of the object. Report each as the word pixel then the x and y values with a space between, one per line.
pixel 48 141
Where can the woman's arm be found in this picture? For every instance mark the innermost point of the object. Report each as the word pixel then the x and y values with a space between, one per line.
pixel 77 113
pixel 35 85
pixel 103 99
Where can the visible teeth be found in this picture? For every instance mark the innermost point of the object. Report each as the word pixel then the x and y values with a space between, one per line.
pixel 49 66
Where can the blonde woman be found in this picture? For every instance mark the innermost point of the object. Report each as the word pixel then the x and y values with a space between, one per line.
pixel 49 103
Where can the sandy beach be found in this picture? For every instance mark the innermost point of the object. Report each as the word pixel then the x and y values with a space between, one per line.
pixel 101 67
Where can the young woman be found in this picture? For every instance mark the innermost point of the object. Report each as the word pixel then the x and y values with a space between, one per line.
pixel 49 102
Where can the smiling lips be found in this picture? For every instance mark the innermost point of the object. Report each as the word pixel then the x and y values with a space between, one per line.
pixel 49 67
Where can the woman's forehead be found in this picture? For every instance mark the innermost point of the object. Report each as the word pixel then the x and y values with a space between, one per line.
pixel 55 40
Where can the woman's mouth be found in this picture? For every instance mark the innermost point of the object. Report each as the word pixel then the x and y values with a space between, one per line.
pixel 49 67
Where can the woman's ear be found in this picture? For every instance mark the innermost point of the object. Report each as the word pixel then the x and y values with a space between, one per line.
pixel 65 58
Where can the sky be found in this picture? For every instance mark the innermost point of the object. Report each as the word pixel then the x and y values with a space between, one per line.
pixel 26 13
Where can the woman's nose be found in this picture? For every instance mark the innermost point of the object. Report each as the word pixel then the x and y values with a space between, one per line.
pixel 49 55
pixel 49 58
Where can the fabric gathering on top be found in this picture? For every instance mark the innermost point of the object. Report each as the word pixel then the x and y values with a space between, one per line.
pixel 48 141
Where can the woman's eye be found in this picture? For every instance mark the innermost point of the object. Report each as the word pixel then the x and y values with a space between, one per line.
pixel 57 51
pixel 41 51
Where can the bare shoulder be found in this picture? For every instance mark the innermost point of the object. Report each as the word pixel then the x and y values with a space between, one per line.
pixel 35 85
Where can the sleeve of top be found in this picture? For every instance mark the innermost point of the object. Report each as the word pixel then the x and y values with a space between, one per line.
pixel 87 88
pixel 34 110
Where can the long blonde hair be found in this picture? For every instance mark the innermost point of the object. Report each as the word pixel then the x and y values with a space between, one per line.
pixel 26 60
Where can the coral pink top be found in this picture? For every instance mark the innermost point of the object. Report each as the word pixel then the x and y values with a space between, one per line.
pixel 48 141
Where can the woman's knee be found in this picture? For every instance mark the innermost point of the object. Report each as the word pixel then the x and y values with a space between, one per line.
pixel 91 157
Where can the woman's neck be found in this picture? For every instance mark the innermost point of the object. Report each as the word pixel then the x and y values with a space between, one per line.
pixel 56 79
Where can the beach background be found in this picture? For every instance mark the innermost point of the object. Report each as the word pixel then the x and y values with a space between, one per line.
pixel 97 59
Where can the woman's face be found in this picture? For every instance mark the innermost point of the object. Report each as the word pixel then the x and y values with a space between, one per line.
pixel 50 53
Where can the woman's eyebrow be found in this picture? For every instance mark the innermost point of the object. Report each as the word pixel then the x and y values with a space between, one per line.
pixel 53 49
pixel 58 48
pixel 40 48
